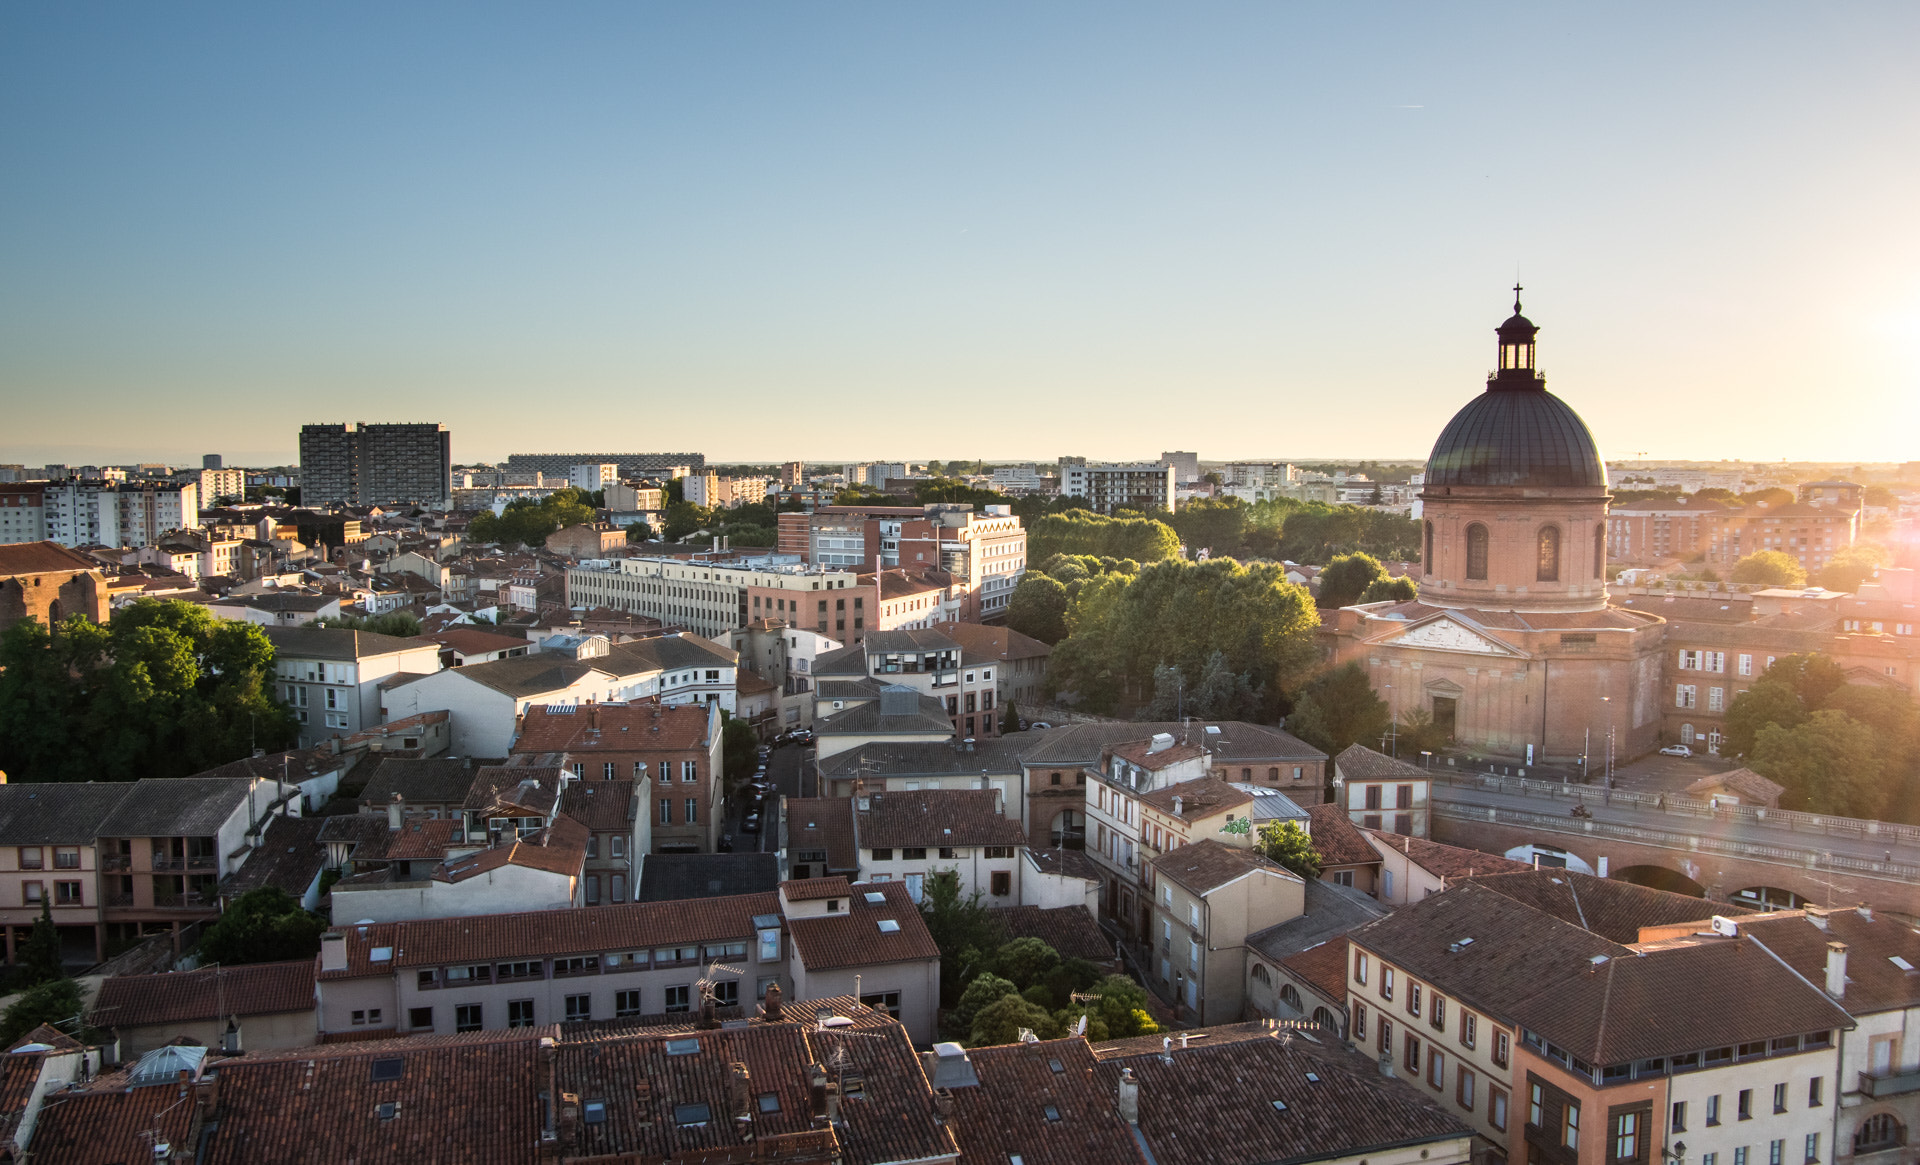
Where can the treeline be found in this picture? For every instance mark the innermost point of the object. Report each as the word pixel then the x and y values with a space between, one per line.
pixel 1839 748
pixel 1311 532
pixel 163 690
pixel 1083 532
pixel 527 522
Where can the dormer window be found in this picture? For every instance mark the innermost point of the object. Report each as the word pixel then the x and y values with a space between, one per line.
pixel 833 906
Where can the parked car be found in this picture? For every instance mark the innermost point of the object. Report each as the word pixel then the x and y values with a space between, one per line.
pixel 750 824
pixel 725 844
pixel 1676 750
pixel 1039 724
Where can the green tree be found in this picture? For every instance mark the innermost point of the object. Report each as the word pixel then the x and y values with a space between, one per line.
pixel 1771 568
pixel 40 955
pixel 983 990
pixel 55 1002
pixel 1287 844
pixel 399 624
pixel 1009 718
pixel 165 689
pixel 1025 961
pixel 263 926
pixel 1418 733
pixel 1117 1011
pixel 739 749
pixel 527 522
pixel 1772 496
pixel 682 519
pixel 639 532
pixel 1337 709
pixel 1346 578
pixel 1390 590
pixel 1038 608
pixel 1828 763
pixel 1852 565
pixel 1000 1022
pixel 1217 525
pixel 966 932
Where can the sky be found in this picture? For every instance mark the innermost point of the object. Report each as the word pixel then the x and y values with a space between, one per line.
pixel 1005 231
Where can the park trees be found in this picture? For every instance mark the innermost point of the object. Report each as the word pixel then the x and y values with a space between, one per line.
pixel 1285 843
pixel 1346 578
pixel 163 690
pixel 1834 747
pixel 527 522
pixel 1772 568
pixel 1337 709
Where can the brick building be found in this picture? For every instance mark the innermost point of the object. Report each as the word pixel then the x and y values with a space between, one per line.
pixel 46 582
pixel 670 751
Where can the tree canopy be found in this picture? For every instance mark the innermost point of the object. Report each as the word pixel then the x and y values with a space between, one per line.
pixel 1852 565
pixel 163 690
pixel 1771 568
pixel 1288 844
pixel 1337 709
pixel 1039 608
pixel 1085 532
pixel 1346 578
pixel 527 522
pixel 1835 747
pixel 1181 615
pixel 263 926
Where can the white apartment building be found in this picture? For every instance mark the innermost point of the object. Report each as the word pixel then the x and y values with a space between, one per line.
pixel 1114 816
pixel 593 478
pixel 717 493
pixel 331 677
pixel 86 513
pixel 1134 485
pixel 708 598
pixel 222 483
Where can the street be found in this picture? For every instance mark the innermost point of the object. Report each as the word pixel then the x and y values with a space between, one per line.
pixel 787 766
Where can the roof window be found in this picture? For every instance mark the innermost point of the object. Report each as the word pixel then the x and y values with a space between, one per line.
pixel 875 898
pixel 389 1069
pixel 380 954
pixel 691 1116
pixel 683 1047
pixel 889 926
pixel 1279 1106
pixel 1312 1078
pixel 389 1110
pixel 596 1112
pixel 1053 1112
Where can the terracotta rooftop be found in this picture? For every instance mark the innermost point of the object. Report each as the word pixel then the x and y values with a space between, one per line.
pixel 1446 861
pixel 956 817
pixel 1874 981
pixel 41 558
pixel 1360 763
pixel 1141 753
pixel 1207 865
pixel 815 889
pixel 421 780
pixel 1337 839
pixel 545 933
pixel 602 806
pixel 1743 782
pixel 1605 906
pixel 815 824
pixel 1197 799
pixel 596 728
pixel 857 938
pixel 560 848
pixel 473 641
pixel 1069 930
pixel 215 993
pixel 1324 966
pixel 1037 1103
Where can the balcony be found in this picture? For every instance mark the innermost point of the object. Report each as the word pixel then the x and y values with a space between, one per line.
pixel 1893 1084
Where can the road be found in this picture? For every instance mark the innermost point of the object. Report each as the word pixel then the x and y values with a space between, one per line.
pixel 787 767
pixel 1843 839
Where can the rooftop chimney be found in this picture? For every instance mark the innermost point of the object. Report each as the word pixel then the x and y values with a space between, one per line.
pixel 1866 912
pixel 333 951
pixel 396 813
pixel 1386 1064
pixel 1129 1096
pixel 1837 970
pixel 1160 742
pixel 1179 803
pixel 772 1008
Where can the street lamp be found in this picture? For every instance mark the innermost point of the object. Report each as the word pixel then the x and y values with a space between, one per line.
pixel 1426 758
pixel 1608 701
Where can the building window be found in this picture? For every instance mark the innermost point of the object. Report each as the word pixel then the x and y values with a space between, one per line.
pixel 1684 695
pixel 1713 1111
pixel 466 1017
pixel 677 998
pixel 1469 1029
pixel 579 1008
pixel 1386 1037
pixel 66 894
pixel 520 1013
pixel 1548 569
pixel 1813 1091
pixel 1570 1129
pixel 666 811
pixel 1813 1148
pixel 1002 883
pixel 1746 1104
pixel 1497 1107
pixel 1626 1136
pixel 1679 1119
pixel 1779 1098
pixel 1427 560
pixel 689 772
pixel 1463 1089
pixel 593 889
pixel 1359 1022
pixel 887 1001
pixel 1413 998
pixel 1436 1069
pixel 1501 1047
pixel 1536 1106
pixel 1476 551
pixel 1599 551
pixel 420 1019
pixel 626 1004
pixel 1776 1151
pixel 1412 1053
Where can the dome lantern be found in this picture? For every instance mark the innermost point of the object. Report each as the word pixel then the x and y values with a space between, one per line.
pixel 1516 351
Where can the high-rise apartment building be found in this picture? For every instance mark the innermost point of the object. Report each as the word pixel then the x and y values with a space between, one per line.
pixel 667 465
pixel 593 478
pixel 1136 485
pixel 89 513
pixel 1186 466
pixel 364 465
pixel 217 483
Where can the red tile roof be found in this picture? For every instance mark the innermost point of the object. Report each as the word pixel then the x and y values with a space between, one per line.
pixel 544 933
pixel 1446 861
pixel 560 848
pixel 1337 839
pixel 814 889
pixel 41 558
pixel 855 939
pixel 1137 752
pixel 1324 966
pixel 214 993
pixel 1201 798
pixel 614 727
pixel 111 1126
pixel 954 817
pixel 601 806
pixel 1069 930
pixel 1207 865
pixel 1005 1116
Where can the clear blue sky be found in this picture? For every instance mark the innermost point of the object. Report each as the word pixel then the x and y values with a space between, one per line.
pixel 840 230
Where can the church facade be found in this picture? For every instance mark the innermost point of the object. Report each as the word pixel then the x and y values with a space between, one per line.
pixel 1512 645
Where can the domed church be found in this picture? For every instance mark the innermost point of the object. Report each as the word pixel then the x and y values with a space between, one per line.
pixel 1512 646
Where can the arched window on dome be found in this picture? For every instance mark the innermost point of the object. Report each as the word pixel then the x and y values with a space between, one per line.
pixel 1599 550
pixel 1549 566
pixel 1476 551
pixel 1427 562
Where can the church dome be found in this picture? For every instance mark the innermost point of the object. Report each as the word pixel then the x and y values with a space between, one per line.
pixel 1516 434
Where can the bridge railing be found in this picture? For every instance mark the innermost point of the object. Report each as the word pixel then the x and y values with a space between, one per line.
pixel 1690 842
pixel 1683 805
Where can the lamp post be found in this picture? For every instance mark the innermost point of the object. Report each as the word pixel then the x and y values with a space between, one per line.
pixel 1608 701
pixel 1426 758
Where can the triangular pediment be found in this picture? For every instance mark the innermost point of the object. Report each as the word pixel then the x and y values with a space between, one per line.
pixel 1445 632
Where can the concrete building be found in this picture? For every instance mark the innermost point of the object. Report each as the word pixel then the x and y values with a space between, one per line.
pixel 1379 792
pixel 1214 896
pixel 332 677
pixel 632 465
pixel 385 464
pixel 671 752
pixel 1186 466
pixel 79 512
pixel 930 663
pixel 217 484
pixel 594 477
pixel 1134 485
pixel 713 597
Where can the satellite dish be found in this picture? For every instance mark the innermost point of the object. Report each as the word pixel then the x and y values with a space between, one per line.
pixel 1080 1026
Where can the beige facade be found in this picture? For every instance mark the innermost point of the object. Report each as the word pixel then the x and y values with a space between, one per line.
pixel 1200 930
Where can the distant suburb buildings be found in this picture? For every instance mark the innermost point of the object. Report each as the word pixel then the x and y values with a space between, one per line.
pixel 376 464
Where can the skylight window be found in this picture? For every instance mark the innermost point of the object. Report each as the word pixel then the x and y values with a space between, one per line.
pixel 1312 1078
pixel 889 926
pixel 691 1115
pixel 1056 1065
pixel 769 1102
pixel 380 954
pixel 1279 1106
pixel 1053 1112
pixel 683 1047
pixel 389 1069
pixel 596 1112
pixel 1899 962
pixel 875 898
pixel 389 1110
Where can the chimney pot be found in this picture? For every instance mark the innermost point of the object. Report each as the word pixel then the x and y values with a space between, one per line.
pixel 1837 970
pixel 1129 1097
pixel 396 813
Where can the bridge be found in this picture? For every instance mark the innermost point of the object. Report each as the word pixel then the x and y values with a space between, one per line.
pixel 1715 850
